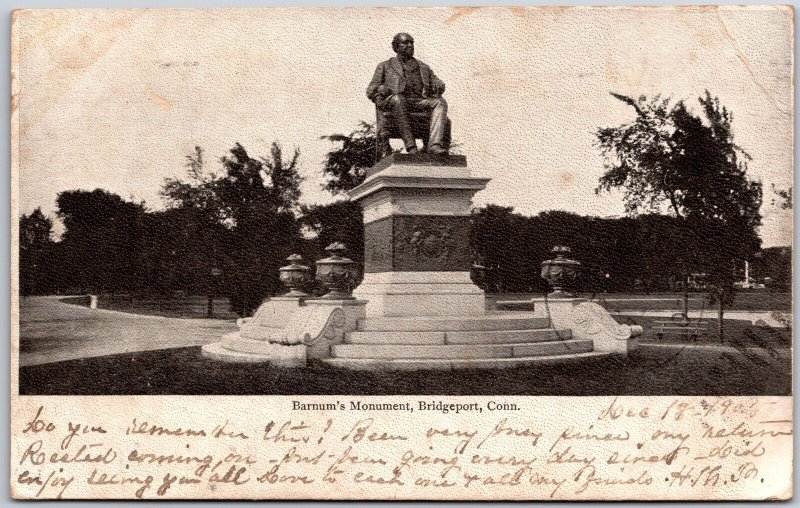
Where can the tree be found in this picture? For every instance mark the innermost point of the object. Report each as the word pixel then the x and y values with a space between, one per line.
pixel 669 159
pixel 773 266
pixel 284 178
pixel 784 197
pixel 247 184
pixel 101 240
pixel 247 212
pixel 659 252
pixel 346 166
pixel 341 221
pixel 256 185
pixel 35 249
pixel 500 243
pixel 180 250
pixel 197 191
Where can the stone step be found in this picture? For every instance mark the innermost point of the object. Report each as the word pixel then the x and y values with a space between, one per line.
pixel 460 351
pixel 449 337
pixel 500 321
pixel 460 363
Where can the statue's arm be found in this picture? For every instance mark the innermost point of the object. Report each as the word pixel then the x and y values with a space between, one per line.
pixel 375 84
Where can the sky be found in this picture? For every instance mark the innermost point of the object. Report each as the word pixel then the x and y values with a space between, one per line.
pixel 117 98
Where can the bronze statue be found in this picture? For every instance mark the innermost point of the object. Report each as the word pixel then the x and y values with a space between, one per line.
pixel 408 97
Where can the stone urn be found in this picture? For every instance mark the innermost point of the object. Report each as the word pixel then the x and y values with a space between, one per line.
pixel 338 273
pixel 560 272
pixel 294 276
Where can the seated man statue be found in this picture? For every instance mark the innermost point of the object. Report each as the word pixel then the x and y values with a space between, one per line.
pixel 406 87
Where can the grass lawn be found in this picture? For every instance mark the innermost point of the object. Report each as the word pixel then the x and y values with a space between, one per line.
pixel 741 332
pixel 185 371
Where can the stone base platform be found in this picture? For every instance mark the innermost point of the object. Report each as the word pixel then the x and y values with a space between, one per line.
pixel 456 351
pixel 446 324
pixel 289 332
pixel 339 333
pixel 491 340
pixel 420 294
pixel 418 337
pixel 464 363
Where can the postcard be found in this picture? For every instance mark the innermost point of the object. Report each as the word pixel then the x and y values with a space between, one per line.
pixel 402 253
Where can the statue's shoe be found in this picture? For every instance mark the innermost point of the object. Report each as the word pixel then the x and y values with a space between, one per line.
pixel 437 150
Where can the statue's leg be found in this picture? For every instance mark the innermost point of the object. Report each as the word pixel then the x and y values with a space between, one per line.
pixel 437 132
pixel 399 108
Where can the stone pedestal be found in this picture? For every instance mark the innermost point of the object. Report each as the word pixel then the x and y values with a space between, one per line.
pixel 286 332
pixel 420 294
pixel 321 324
pixel 416 237
pixel 270 319
pixel 589 321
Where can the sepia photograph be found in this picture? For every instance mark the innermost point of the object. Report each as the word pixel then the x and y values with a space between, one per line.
pixel 450 209
pixel 409 204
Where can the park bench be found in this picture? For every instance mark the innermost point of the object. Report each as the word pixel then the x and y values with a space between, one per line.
pixel 688 330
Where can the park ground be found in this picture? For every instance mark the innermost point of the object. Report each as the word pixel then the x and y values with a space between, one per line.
pixel 67 348
pixel 195 307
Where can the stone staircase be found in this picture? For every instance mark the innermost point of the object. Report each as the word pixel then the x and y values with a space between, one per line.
pixel 503 339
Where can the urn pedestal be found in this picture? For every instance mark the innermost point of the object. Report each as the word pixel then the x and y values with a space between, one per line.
pixel 560 272
pixel 417 257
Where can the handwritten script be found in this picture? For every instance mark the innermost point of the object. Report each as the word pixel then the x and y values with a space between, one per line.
pixel 403 448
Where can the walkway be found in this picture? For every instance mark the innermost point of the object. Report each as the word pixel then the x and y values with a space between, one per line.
pixel 53 331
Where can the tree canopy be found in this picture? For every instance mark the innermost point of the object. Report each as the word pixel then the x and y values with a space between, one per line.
pixel 784 197
pixel 246 216
pixel 341 221
pixel 346 166
pixel 35 230
pixel 247 185
pixel 102 234
pixel 668 155
pixel 671 158
pixel 35 248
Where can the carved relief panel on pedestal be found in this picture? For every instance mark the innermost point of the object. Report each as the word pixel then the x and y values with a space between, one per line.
pixel 417 243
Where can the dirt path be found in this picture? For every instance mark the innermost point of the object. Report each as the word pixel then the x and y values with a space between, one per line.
pixel 53 331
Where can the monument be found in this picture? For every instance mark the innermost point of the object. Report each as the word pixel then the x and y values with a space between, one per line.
pixel 408 102
pixel 416 243
pixel 417 306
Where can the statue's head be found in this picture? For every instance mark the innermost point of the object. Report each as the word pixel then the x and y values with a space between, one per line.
pixel 403 45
